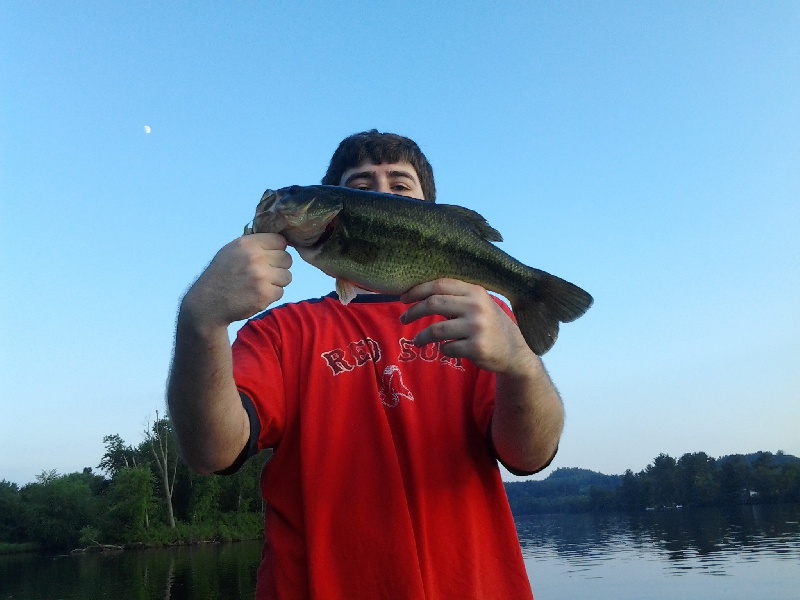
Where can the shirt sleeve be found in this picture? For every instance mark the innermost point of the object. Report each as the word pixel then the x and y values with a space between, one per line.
pixel 251 447
pixel 258 376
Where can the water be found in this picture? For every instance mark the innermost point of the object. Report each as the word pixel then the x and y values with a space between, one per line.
pixel 744 553
pixel 752 553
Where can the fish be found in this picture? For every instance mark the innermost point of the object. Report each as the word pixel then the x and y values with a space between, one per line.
pixel 387 243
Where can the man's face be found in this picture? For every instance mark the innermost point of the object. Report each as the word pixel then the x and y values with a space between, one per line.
pixel 389 178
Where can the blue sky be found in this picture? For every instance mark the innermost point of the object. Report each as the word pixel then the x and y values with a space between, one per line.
pixel 649 152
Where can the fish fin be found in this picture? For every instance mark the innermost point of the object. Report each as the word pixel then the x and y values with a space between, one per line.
pixel 345 290
pixel 552 300
pixel 474 220
pixel 538 327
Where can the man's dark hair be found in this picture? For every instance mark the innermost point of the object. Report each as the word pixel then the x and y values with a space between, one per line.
pixel 380 148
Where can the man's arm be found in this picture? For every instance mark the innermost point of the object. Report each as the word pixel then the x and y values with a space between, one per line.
pixel 528 418
pixel 245 277
pixel 528 415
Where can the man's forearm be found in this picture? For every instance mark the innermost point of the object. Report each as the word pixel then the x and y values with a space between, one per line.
pixel 528 418
pixel 209 419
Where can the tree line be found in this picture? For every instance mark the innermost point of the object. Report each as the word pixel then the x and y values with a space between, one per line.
pixel 693 480
pixel 145 496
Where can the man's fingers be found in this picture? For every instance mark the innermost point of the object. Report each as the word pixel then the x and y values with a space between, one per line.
pixel 442 331
pixel 449 307
pixel 280 259
pixel 282 277
pixel 268 241
pixel 449 287
pixel 449 298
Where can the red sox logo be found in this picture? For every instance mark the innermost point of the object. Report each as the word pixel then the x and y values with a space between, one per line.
pixel 365 351
pixel 393 387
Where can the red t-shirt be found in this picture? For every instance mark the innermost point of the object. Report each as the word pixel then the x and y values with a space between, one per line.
pixel 383 483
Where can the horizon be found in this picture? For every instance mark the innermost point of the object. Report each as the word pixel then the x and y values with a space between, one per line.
pixel 645 152
pixel 545 474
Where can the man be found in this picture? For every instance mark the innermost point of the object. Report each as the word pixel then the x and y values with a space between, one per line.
pixel 387 416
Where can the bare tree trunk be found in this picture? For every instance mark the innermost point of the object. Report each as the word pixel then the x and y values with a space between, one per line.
pixel 167 461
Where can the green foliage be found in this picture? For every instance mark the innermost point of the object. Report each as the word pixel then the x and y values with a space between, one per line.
pixel 565 490
pixel 56 508
pixel 18 548
pixel 130 503
pixel 118 456
pixel 130 507
pixel 10 509
pixel 228 528
pixel 693 480
pixel 89 536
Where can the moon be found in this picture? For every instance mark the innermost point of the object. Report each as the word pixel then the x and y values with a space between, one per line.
pixel 147 129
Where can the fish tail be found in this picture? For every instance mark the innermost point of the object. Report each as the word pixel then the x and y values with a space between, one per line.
pixel 551 301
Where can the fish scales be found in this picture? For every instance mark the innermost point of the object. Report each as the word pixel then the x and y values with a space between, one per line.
pixel 400 249
pixel 388 244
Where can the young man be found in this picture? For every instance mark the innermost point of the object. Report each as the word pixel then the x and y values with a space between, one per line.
pixel 387 416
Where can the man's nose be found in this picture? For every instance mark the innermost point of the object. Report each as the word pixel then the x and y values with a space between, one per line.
pixel 382 186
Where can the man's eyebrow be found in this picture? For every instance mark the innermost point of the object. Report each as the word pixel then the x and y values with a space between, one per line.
pixel 359 175
pixel 401 174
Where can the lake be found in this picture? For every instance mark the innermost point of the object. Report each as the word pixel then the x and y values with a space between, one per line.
pixel 746 552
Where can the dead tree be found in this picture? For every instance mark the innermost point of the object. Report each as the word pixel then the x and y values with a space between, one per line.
pixel 162 444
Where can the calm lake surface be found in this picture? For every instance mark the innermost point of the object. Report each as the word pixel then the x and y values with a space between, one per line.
pixel 747 553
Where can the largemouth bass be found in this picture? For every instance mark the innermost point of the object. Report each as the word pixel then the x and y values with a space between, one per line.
pixel 388 244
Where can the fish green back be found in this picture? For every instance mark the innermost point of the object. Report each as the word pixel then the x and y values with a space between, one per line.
pixel 389 244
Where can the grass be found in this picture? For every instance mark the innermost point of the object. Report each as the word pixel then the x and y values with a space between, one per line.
pixel 12 548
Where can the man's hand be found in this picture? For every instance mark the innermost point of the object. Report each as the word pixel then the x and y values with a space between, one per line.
pixel 528 415
pixel 245 277
pixel 476 327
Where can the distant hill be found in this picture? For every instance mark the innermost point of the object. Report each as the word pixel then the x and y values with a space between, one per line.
pixel 733 479
pixel 779 459
pixel 564 490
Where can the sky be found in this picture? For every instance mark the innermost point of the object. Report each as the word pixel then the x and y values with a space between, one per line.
pixel 648 152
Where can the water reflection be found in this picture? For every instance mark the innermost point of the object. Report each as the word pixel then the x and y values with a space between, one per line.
pixel 746 553
pixel 207 571
pixel 680 539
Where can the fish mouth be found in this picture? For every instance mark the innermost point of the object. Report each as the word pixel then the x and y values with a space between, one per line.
pixel 325 235
pixel 305 222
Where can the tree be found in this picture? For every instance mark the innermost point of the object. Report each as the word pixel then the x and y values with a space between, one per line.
pixel 163 446
pixel 765 477
pixel 663 475
pixel 734 485
pixel 57 508
pixel 633 492
pixel 46 476
pixel 129 503
pixel 698 484
pixel 10 510
pixel 118 456
pixel 241 492
pixel 205 498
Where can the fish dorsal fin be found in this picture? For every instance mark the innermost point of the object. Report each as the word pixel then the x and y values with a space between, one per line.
pixel 474 220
